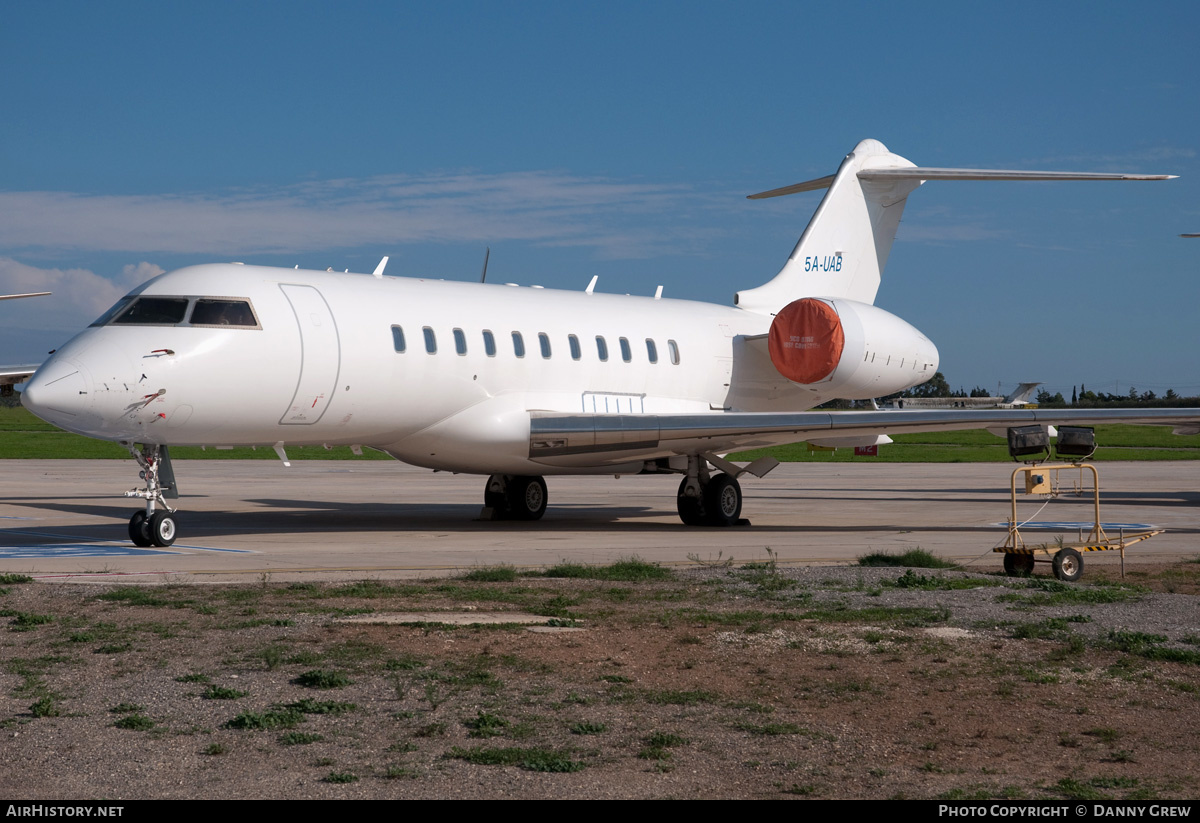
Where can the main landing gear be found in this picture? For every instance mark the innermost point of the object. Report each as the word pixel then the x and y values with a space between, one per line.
pixel 514 497
pixel 709 500
pixel 154 526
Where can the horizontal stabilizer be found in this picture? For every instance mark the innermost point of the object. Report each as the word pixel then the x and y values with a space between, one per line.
pixel 795 188
pixel 917 173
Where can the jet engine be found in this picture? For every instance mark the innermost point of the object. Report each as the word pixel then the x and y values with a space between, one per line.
pixel 849 349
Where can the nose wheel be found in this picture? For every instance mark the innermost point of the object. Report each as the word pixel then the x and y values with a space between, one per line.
pixel 154 525
pixel 156 530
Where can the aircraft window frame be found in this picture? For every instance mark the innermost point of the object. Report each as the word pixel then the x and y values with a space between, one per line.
pixel 518 344
pixel 651 350
pixel 430 339
pixel 626 351
pixel 398 341
pixel 116 319
pixel 460 342
pixel 116 309
pixel 573 343
pixel 489 343
pixel 673 349
pixel 195 304
pixel 544 343
pixel 602 348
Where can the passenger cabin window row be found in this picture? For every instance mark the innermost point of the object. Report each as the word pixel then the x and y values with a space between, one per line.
pixel 208 312
pixel 544 345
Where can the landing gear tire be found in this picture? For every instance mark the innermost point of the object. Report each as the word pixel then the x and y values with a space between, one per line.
pixel 495 500
pixel 1068 565
pixel 723 501
pixel 691 509
pixel 526 497
pixel 138 531
pixel 161 529
pixel 1018 565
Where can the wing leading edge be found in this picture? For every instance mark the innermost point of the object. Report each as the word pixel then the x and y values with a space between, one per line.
pixel 566 438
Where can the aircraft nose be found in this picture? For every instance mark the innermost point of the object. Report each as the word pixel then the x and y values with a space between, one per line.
pixel 58 393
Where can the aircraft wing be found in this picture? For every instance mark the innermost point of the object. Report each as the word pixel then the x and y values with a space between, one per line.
pixel 557 438
pixel 11 375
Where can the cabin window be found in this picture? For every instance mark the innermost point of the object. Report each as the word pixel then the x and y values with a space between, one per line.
pixel 601 348
pixel 460 341
pixel 489 343
pixel 398 339
pixel 626 352
pixel 651 350
pixel 210 312
pixel 153 311
pixel 673 348
pixel 544 342
pixel 518 344
pixel 576 352
pixel 430 340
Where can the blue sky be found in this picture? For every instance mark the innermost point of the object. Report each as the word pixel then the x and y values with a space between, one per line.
pixel 618 139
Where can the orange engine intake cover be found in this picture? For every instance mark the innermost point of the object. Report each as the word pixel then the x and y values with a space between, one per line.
pixel 806 341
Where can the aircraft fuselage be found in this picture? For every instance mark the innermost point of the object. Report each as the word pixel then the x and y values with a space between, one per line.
pixel 318 361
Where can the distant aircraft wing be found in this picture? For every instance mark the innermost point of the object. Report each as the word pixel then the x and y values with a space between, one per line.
pixel 11 375
pixel 577 439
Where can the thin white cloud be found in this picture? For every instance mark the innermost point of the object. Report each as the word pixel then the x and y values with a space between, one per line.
pixel 539 207
pixel 78 295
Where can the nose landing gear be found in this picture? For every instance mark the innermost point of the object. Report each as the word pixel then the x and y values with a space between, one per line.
pixel 155 526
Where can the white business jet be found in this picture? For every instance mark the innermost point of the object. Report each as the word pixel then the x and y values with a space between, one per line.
pixel 518 383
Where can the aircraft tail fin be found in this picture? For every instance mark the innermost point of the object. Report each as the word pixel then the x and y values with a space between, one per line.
pixel 845 246
pixel 1021 394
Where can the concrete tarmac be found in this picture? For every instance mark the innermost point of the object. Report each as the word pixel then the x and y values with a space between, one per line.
pixel 250 520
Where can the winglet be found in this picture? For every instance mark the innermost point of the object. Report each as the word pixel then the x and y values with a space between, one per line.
pixel 382 265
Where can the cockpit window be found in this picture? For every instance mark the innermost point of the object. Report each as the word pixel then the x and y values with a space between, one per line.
pixel 153 311
pixel 108 315
pixel 222 313
pixel 144 310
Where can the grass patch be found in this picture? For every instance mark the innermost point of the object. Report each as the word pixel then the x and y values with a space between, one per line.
pixel 1149 646
pixel 282 718
pixel 330 707
pixel 222 693
pixel 492 574
pixel 322 679
pixel 485 724
pixel 340 777
pixel 127 708
pixel 13 579
pixel 194 677
pixel 588 728
pixel 532 759
pixel 913 558
pixel 135 722
pixel 25 621
pixel 46 707
pixel 910 616
pixel 628 570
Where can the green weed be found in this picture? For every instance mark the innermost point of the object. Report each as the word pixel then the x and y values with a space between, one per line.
pixel 322 679
pixel 914 558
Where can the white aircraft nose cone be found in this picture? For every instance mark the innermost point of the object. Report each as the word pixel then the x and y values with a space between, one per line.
pixel 58 393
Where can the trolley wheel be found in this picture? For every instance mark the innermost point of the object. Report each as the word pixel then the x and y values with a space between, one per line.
pixel 1018 565
pixel 1068 565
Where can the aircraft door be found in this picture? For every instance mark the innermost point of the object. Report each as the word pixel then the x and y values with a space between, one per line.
pixel 320 355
